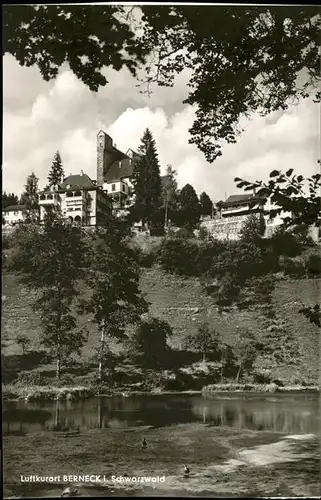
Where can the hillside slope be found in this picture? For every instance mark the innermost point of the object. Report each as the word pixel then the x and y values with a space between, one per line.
pixel 183 303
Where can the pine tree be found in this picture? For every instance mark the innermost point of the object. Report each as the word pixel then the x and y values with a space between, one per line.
pixel 51 261
pixel 188 213
pixel 169 192
pixel 56 172
pixel 30 198
pixel 147 182
pixel 206 204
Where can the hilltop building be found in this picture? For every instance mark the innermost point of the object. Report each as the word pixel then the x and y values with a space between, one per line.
pixel 228 223
pixel 78 199
pixel 86 201
pixel 14 214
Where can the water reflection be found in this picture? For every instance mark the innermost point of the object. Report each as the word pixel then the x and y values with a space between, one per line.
pixel 292 415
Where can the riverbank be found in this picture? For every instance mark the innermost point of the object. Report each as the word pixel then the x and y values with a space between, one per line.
pixel 41 393
pixel 272 387
pixel 219 460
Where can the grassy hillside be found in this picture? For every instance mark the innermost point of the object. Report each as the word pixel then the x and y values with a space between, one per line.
pixel 183 303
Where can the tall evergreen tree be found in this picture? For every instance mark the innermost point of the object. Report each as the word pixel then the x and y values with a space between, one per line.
pixel 51 261
pixel 169 192
pixel 206 204
pixel 30 197
pixel 188 213
pixel 56 170
pixel 146 181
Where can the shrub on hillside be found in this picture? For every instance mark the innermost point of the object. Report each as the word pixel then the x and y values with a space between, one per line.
pixel 292 268
pixel 286 243
pixel 148 343
pixel 301 234
pixel 179 256
pixel 30 379
pixel 65 380
pixel 208 251
pixel 184 233
pixel 313 265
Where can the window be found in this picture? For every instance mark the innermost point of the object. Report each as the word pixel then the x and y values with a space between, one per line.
pixel 113 187
pixel 123 187
pixel 15 213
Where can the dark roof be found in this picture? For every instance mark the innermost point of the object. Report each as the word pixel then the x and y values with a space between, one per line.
pixel 236 199
pixel 78 181
pixel 14 208
pixel 118 170
pixel 122 166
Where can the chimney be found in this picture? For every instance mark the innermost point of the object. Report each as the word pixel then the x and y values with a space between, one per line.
pixel 254 191
pixel 81 172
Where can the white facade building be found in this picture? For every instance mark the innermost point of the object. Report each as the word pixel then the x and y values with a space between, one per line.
pixel 13 214
pixel 77 199
pixel 236 210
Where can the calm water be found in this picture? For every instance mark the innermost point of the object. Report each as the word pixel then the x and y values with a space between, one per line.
pixel 292 414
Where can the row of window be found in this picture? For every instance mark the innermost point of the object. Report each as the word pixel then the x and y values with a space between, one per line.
pixel 75 209
pixel 123 187
pixel 50 197
pixel 71 194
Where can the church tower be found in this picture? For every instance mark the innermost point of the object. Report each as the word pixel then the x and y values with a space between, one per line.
pixel 104 148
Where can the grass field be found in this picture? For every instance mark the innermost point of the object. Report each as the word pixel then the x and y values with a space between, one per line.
pixel 211 454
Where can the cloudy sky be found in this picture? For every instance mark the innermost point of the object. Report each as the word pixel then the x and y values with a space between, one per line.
pixel 41 118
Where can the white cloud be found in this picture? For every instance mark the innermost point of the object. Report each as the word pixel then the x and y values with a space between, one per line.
pixel 40 118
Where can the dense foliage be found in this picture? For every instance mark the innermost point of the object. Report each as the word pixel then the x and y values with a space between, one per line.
pixel 240 59
pixel 148 344
pixel 8 199
pixel 50 260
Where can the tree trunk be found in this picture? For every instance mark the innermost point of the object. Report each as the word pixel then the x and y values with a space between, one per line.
pixel 58 362
pixel 222 366
pixel 238 373
pixel 100 367
pixel 57 413
pixel 204 357
pixel 100 413
pixel 166 213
